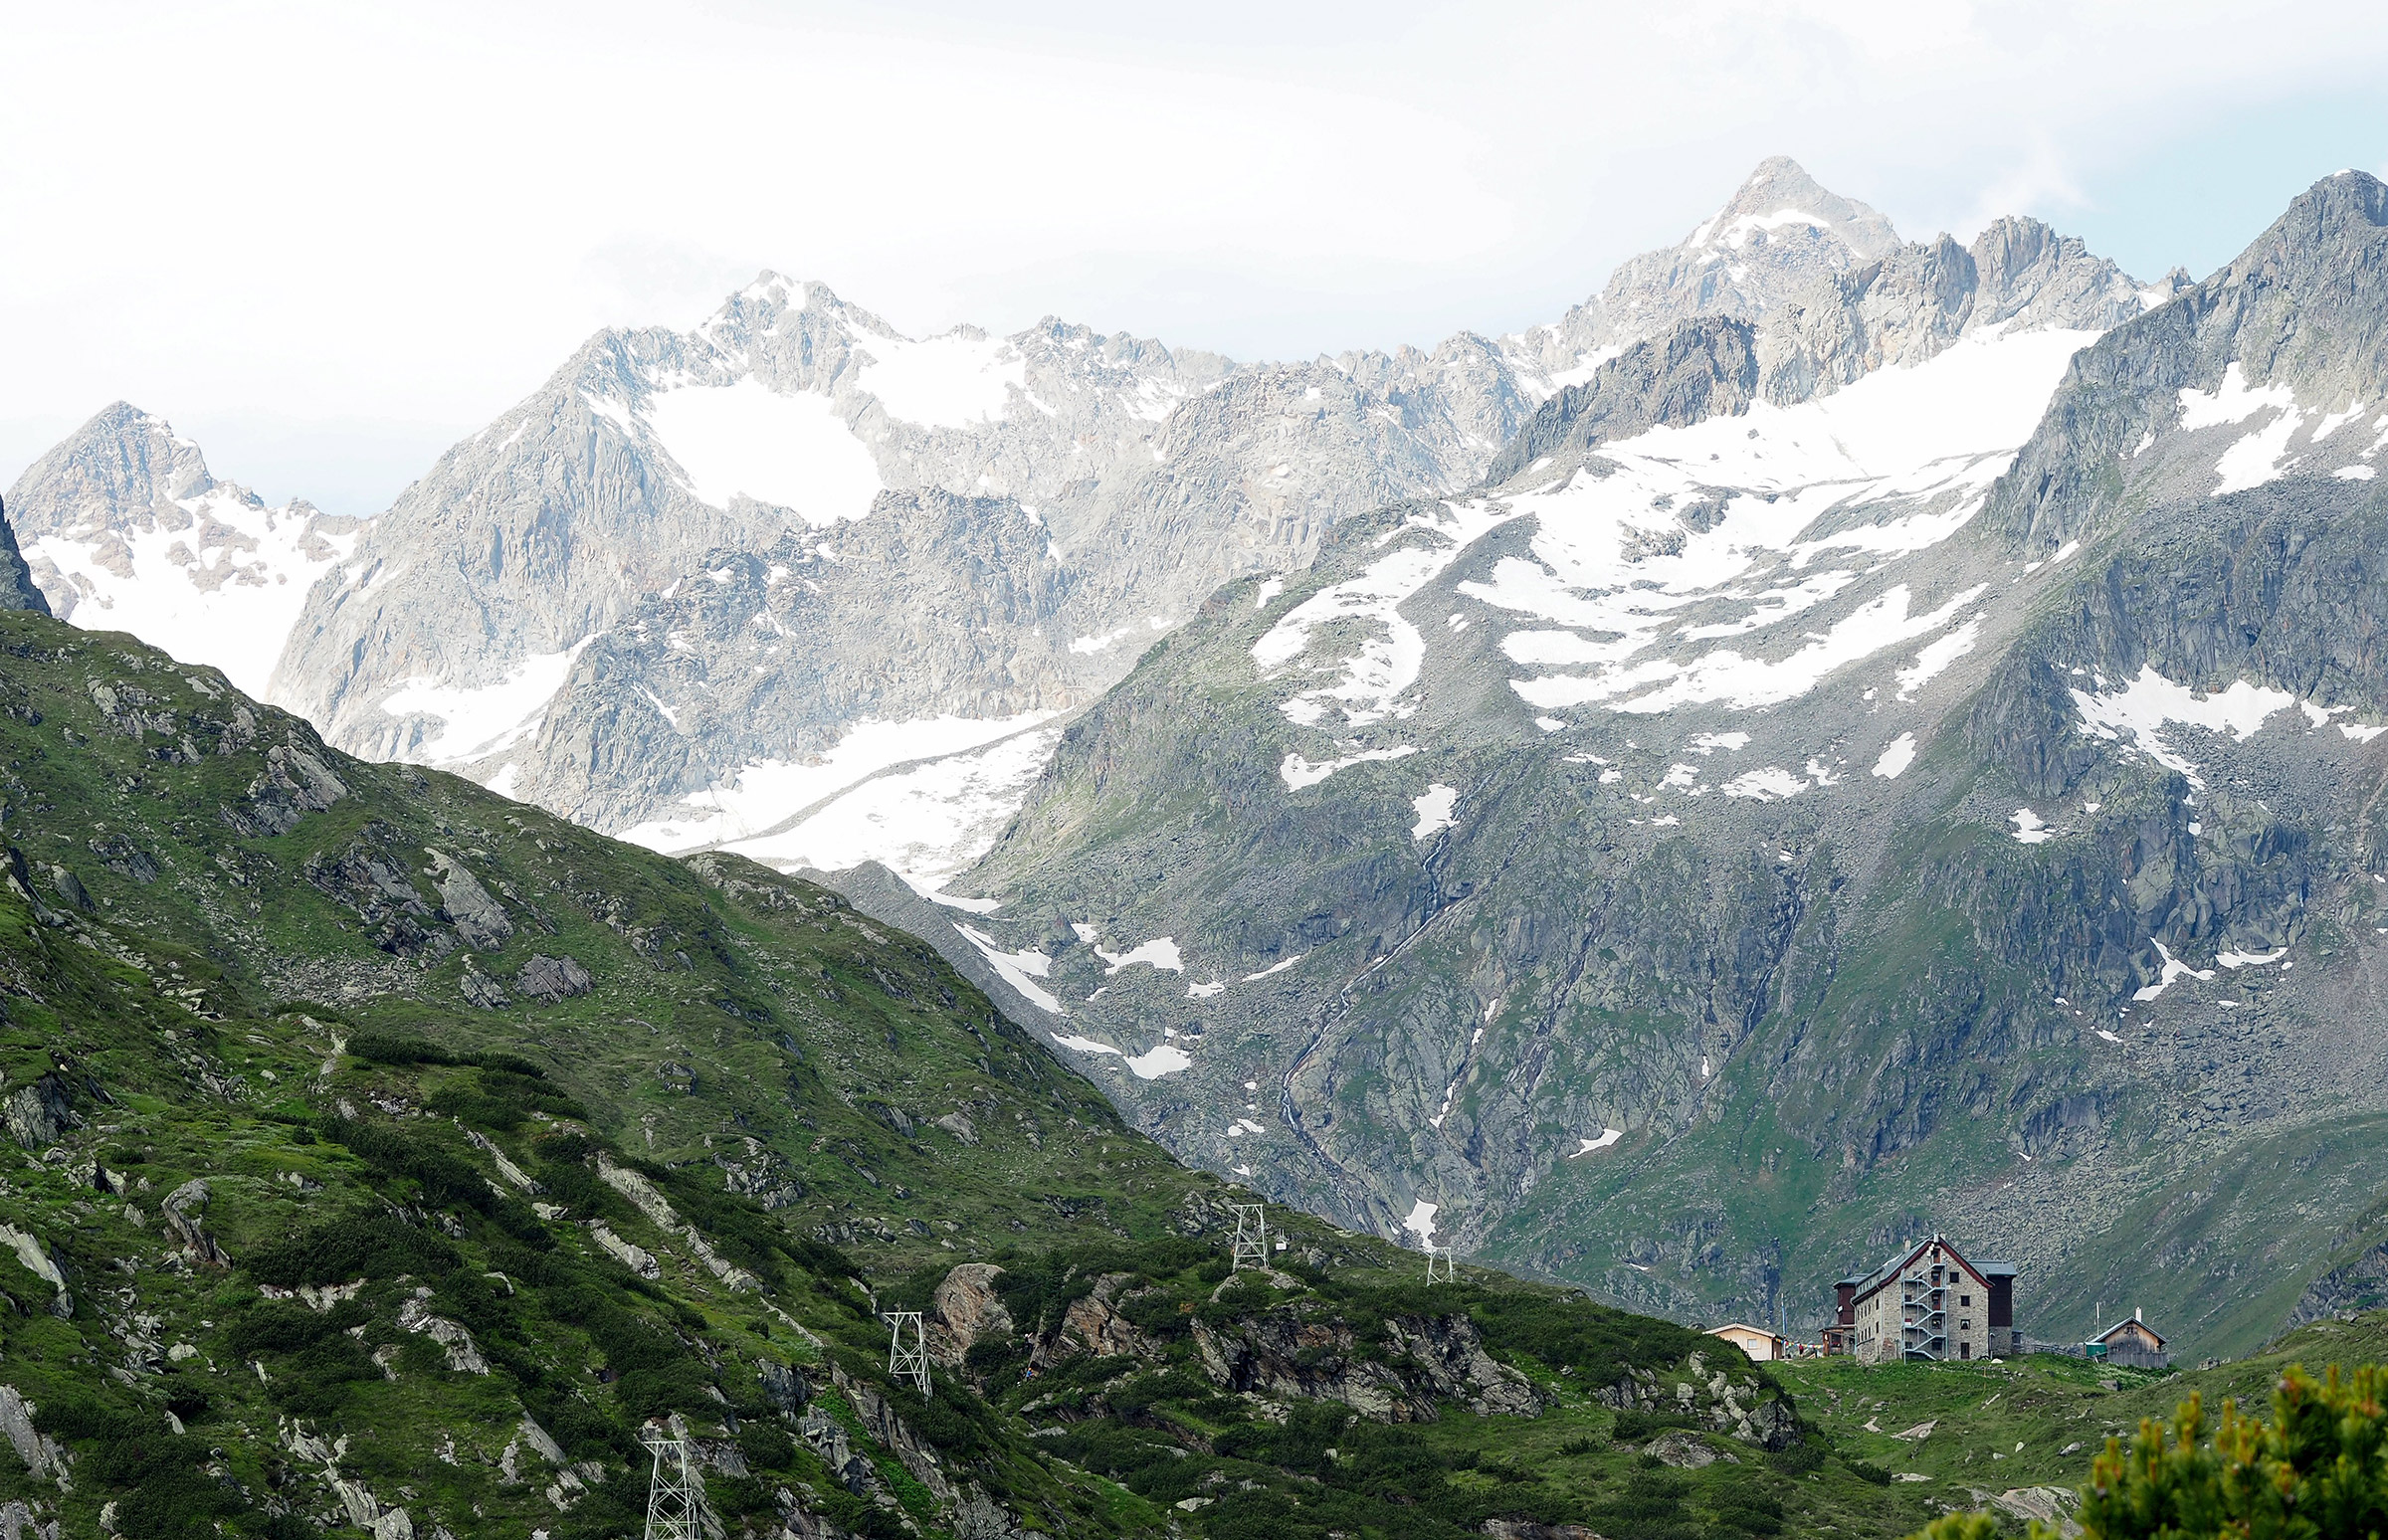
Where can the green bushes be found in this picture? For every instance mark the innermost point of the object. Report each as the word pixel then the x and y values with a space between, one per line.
pixel 284 1328
pixel 1634 1426
pixel 360 1245
pixel 446 1179
pixel 2318 1467
pixel 499 1098
pixel 166 1495
pixel 381 1047
pixel 1650 1508
pixel 1595 1341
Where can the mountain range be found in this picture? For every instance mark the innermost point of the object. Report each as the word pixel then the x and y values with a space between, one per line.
pixel 1027 511
pixel 1834 738
pixel 1783 812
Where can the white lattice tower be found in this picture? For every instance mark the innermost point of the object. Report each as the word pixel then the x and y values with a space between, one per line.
pixel 1252 1235
pixel 908 1360
pixel 675 1493
pixel 1440 1265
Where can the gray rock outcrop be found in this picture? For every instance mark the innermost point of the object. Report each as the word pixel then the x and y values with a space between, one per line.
pixel 17 588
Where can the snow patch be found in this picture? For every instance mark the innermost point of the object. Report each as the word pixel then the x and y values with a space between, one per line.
pixel 2237 959
pixel 1391 653
pixel 1895 464
pixel 1937 656
pixel 1421 1223
pixel 791 450
pixel 924 823
pixel 1159 953
pixel 1771 784
pixel 1896 757
pixel 1608 1136
pixel 958 380
pixel 2141 709
pixel 1298 772
pixel 1020 970
pixel 1152 1063
pixel 2173 969
pixel 477 721
pixel 763 808
pixel 223 591
pixel 2029 828
pixel 2233 401
pixel 1433 810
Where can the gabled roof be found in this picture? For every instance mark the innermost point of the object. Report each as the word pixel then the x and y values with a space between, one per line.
pixel 2110 1333
pixel 1899 1263
pixel 1761 1331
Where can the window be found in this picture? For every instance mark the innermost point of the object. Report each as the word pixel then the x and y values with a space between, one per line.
pixel 1965 1350
pixel 1964 1299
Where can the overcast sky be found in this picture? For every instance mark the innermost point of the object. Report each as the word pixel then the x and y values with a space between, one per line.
pixel 326 239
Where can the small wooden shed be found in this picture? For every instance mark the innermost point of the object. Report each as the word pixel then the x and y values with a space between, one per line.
pixel 2133 1344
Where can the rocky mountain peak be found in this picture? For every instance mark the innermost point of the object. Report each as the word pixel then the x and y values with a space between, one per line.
pixel 1778 235
pixel 125 528
pixel 2225 385
pixel 1781 195
pixel 123 465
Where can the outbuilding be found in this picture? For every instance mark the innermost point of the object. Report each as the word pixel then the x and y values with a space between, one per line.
pixel 1763 1346
pixel 2133 1344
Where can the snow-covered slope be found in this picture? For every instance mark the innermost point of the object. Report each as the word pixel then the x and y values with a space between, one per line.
pixel 124 529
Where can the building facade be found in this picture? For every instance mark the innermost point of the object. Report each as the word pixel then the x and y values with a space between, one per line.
pixel 1926 1302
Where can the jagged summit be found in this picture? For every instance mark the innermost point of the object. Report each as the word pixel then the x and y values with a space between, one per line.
pixel 1780 196
pixel 122 462
pixel 1778 235
pixel 125 528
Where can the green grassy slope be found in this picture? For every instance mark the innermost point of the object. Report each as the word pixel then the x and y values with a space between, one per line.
pixel 391 1157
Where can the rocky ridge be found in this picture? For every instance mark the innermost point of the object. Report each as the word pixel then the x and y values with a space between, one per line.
pixel 18 591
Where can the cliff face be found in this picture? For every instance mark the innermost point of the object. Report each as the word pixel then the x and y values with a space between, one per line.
pixel 17 589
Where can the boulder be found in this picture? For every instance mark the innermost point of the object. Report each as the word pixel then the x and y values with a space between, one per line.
pixel 1683 1450
pixel 553 979
pixel 964 1309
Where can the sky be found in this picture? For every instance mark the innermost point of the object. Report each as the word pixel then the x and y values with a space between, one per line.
pixel 327 239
